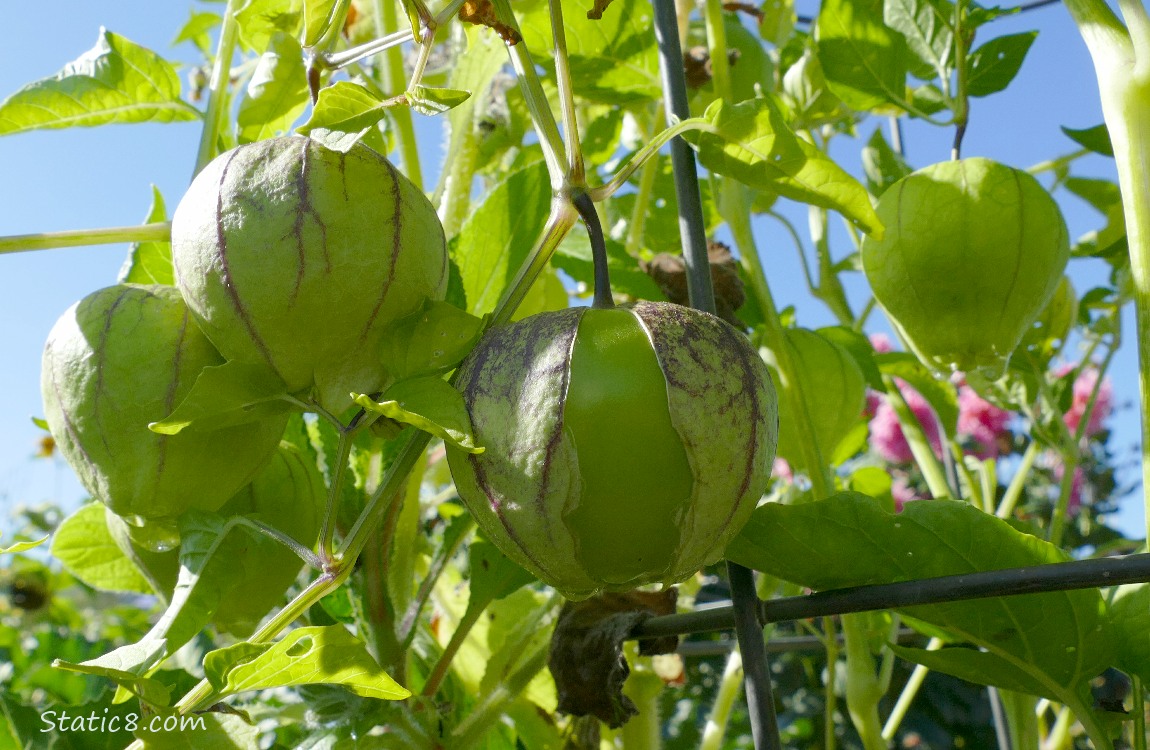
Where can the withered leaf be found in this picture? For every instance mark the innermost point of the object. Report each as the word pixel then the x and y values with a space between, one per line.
pixel 596 12
pixel 587 659
pixel 670 273
pixel 482 13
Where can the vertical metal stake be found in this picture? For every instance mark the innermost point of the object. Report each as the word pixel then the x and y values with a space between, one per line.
pixel 748 626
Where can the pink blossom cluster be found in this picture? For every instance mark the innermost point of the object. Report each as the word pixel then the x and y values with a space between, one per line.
pixel 1083 387
pixel 980 422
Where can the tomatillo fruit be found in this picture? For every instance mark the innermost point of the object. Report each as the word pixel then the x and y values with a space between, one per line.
pixel 623 446
pixel 297 257
pixel 973 252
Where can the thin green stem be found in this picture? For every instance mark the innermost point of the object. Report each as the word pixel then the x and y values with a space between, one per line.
pixel 830 697
pixel 337 60
pixel 393 79
pixel 562 218
pixel 218 86
pixel 908 694
pixel 1138 709
pixel 830 289
pixel 961 103
pixel 798 241
pixel 863 693
pixel 1054 165
pixel 19 243
pixel 730 686
pixel 331 509
pixel 575 170
pixel 1018 482
pixel 602 192
pixel 439 672
pixel 644 731
pixel 638 223
pixel 920 446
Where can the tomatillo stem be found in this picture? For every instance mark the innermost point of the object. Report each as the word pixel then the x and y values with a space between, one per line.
pixel 586 208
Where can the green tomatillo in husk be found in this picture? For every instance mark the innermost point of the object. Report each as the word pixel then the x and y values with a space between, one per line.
pixel 124 357
pixel 297 257
pixel 972 253
pixel 623 446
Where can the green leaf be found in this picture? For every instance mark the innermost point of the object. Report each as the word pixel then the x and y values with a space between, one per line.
pixel 277 93
pixel 431 101
pixel 1103 195
pixel 114 82
pixel 21 547
pixel 752 144
pixel 1059 639
pixel 778 21
pixel 197 30
pixel 431 341
pixel 150 262
pixel 995 64
pixel 493 574
pixel 348 110
pixel 613 59
pixel 430 404
pixel 306 656
pixel 322 19
pixel 1129 616
pixel 1097 139
pixel 203 730
pixel 84 547
pixel 259 20
pixel 495 239
pixel 661 232
pixel 979 667
pixel 940 394
pixel 125 665
pixel 882 166
pixel 928 27
pixel 863 59
pixel 226 395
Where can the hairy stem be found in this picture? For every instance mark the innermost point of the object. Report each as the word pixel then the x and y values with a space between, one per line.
pixel 394 79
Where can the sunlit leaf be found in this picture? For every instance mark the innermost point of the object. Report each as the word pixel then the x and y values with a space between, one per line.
pixel 995 64
pixel 863 59
pixel 430 404
pixel 150 262
pixel 114 82
pixel 277 93
pixel 84 547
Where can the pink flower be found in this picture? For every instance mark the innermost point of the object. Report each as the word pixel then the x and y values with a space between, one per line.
pixel 782 470
pixel 981 421
pixel 886 437
pixel 1083 387
pixel 881 343
pixel 902 493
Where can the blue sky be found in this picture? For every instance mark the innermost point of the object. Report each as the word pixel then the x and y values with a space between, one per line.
pixel 79 178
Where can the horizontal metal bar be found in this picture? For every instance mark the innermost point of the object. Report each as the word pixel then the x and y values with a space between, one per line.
pixel 1078 574
pixel 779 644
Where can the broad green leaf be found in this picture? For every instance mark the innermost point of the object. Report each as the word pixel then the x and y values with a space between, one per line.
pixel 1059 639
pixel 1129 616
pixel 928 27
pixel 277 93
pixel 495 239
pixel 613 59
pixel 21 546
pixel 979 667
pixel 863 59
pixel 882 166
pixel 114 82
pixel 995 64
pixel 429 404
pixel 493 574
pixel 430 341
pixel 204 730
pixel 752 144
pixel 1097 139
pixel 226 395
pixel 305 656
pixel 940 394
pixel 431 101
pixel 259 20
pixel 1103 195
pixel 344 108
pixel 150 262
pixel 197 30
pixel 778 21
pixel 84 547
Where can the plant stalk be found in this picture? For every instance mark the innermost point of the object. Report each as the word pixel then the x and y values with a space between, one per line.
pixel 218 86
pixel 20 243
pixel 393 79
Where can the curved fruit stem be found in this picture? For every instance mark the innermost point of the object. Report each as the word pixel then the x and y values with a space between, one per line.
pixel 218 87
pixel 20 243
pixel 586 208
pixel 575 171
